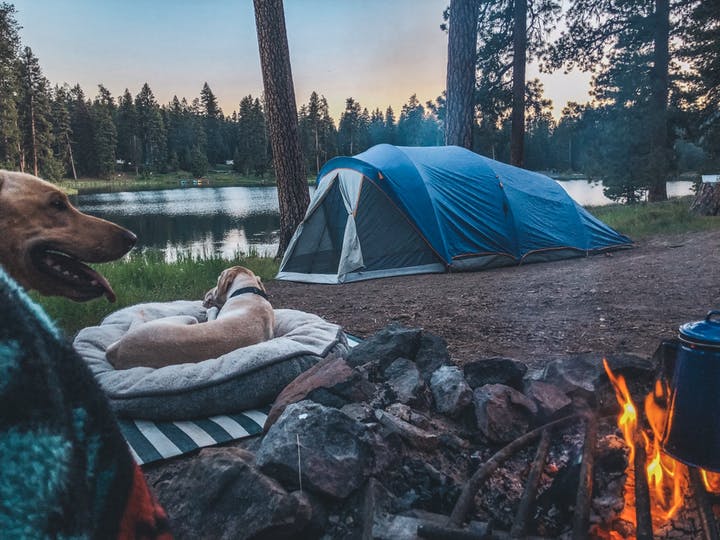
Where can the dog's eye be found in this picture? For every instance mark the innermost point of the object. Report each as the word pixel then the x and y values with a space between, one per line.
pixel 59 204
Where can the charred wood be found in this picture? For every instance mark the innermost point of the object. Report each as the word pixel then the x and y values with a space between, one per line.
pixel 527 502
pixel 581 521
pixel 707 519
pixel 465 501
pixel 644 528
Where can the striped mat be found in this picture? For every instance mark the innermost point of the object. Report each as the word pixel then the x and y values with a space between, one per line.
pixel 154 441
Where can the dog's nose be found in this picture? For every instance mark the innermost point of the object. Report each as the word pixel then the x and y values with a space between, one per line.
pixel 129 238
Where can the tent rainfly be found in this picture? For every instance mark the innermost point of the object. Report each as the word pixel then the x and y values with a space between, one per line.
pixel 393 211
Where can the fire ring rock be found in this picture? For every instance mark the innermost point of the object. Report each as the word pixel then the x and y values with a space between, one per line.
pixel 502 413
pixel 220 494
pixel 450 390
pixel 495 370
pixel 335 456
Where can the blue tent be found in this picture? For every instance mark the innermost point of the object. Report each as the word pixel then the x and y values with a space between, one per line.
pixel 404 210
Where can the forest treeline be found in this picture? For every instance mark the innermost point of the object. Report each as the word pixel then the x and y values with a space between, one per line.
pixel 62 131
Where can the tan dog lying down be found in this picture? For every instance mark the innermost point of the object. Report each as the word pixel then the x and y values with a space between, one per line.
pixel 245 318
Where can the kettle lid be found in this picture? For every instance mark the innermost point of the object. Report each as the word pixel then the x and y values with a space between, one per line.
pixel 705 332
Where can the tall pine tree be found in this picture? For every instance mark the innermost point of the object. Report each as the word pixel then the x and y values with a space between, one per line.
pixel 150 131
pixel 627 44
pixel 213 116
pixel 36 118
pixel 62 131
pixel 10 140
pixel 317 132
pixel 128 145
pixel 104 133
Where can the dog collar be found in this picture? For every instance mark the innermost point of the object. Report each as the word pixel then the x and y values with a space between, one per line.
pixel 244 290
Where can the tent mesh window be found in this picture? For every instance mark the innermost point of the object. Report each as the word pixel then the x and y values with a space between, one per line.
pixel 386 237
pixel 317 250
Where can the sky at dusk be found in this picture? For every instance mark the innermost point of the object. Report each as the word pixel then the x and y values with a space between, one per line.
pixel 376 51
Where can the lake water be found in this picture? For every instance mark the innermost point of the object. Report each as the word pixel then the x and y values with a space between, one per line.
pixel 227 220
pixel 194 221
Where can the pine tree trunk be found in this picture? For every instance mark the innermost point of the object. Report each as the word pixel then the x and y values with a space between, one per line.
pixel 72 160
pixel 282 118
pixel 317 152
pixel 659 125
pixel 707 200
pixel 21 156
pixel 517 133
pixel 462 58
pixel 33 138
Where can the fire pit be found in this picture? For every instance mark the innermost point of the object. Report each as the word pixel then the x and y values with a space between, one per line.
pixel 396 442
pixel 659 487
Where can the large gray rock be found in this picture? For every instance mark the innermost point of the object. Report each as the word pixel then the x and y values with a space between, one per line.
pixel 403 377
pixel 332 383
pixel 583 375
pixel 451 392
pixel 551 401
pixel 495 370
pixel 392 342
pixel 334 454
pixel 503 414
pixel 220 494
pixel 431 355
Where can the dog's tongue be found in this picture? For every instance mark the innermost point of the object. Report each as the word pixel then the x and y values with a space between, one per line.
pixel 98 280
pixel 105 284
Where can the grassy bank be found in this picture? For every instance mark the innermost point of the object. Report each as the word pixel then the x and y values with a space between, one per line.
pixel 131 182
pixel 147 278
pixel 650 219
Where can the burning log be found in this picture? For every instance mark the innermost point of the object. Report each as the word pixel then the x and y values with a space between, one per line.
pixel 644 527
pixel 526 503
pixel 581 522
pixel 465 501
pixel 707 518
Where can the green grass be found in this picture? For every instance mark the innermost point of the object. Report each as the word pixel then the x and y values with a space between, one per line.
pixel 650 219
pixel 130 182
pixel 127 181
pixel 147 278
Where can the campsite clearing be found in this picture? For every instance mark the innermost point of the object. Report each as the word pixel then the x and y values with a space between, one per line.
pixel 625 301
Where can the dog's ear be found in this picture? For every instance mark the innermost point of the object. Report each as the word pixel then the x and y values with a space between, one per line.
pixel 209 300
pixel 225 281
pixel 260 284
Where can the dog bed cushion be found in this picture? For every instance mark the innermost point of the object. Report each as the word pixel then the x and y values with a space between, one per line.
pixel 243 379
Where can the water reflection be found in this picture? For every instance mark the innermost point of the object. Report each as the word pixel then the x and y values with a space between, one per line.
pixel 588 193
pixel 195 221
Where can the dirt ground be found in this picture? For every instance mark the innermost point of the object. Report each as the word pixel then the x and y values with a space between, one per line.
pixel 625 301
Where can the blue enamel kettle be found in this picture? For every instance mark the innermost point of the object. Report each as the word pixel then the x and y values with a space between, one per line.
pixel 692 428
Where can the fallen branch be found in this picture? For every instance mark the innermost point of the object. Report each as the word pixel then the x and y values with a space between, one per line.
pixel 581 520
pixel 527 500
pixel 465 501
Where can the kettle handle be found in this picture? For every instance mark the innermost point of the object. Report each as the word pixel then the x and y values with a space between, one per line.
pixel 710 314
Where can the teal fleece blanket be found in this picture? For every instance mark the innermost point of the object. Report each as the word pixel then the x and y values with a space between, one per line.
pixel 66 470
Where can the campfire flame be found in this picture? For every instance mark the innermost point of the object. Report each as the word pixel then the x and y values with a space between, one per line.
pixel 667 478
pixel 711 480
